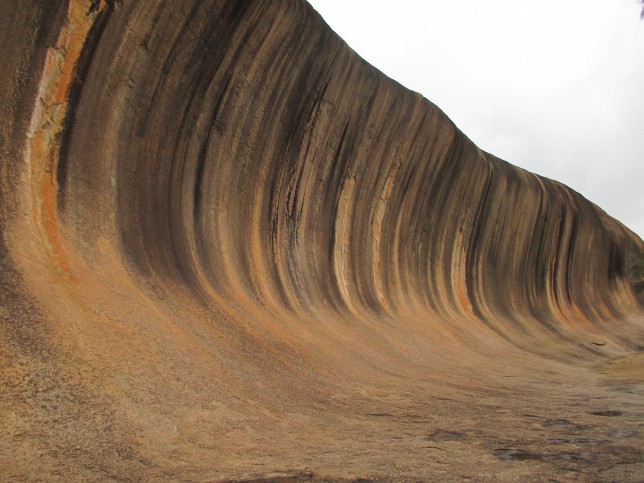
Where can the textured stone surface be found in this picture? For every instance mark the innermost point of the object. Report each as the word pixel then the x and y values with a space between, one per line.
pixel 231 249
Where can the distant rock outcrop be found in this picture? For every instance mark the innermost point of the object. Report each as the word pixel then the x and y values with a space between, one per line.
pixel 233 249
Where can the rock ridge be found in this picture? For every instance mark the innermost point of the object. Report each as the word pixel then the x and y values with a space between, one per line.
pixel 221 226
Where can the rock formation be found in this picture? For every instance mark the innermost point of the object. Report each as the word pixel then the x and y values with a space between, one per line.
pixel 232 249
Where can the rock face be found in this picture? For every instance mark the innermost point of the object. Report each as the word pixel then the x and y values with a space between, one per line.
pixel 233 249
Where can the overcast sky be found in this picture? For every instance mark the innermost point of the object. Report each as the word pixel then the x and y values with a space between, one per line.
pixel 556 87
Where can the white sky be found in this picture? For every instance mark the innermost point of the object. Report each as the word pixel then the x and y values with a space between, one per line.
pixel 556 87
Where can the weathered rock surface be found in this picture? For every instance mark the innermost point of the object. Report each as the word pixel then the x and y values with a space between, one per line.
pixel 233 249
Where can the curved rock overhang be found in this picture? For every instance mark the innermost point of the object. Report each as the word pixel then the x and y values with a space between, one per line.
pixel 218 212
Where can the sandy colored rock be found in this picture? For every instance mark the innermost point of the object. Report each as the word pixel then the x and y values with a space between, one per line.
pixel 232 250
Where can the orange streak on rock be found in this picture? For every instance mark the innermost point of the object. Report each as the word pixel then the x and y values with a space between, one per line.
pixel 47 124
